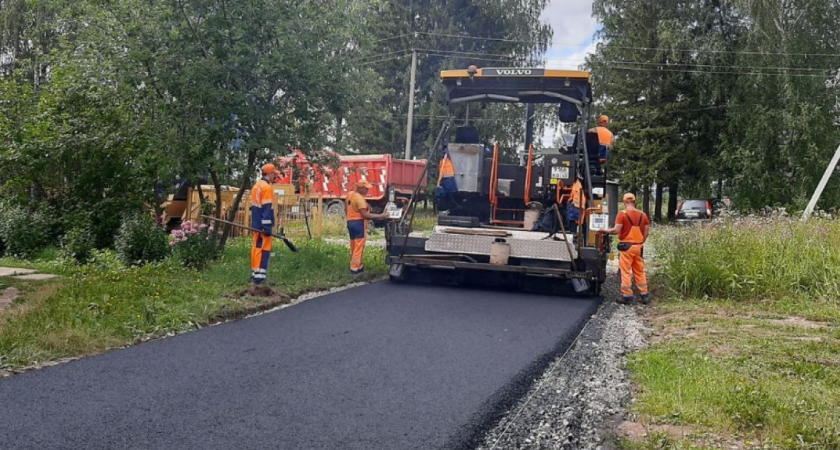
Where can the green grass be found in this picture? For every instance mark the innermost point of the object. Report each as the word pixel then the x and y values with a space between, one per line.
pixel 106 304
pixel 335 227
pixel 755 260
pixel 748 337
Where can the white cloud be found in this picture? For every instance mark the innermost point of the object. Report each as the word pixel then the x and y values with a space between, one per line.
pixel 571 60
pixel 571 21
pixel 574 29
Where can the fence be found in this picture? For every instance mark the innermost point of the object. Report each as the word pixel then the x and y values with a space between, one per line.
pixel 300 216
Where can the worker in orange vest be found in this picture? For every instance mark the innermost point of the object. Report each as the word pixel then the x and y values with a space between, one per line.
pixel 446 187
pixel 605 138
pixel 262 218
pixel 632 227
pixel 576 208
pixel 358 213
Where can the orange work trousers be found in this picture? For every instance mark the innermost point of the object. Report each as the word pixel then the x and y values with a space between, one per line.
pixel 358 238
pixel 631 264
pixel 260 254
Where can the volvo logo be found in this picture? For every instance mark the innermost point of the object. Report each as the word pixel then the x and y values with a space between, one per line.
pixel 516 72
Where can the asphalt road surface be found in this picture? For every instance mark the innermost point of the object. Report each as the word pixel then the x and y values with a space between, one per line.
pixel 378 367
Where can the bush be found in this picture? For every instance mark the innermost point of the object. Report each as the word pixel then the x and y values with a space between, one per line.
pixel 79 244
pixel 23 233
pixel 141 240
pixel 195 245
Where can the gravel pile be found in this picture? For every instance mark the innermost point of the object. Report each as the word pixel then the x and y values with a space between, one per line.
pixel 568 407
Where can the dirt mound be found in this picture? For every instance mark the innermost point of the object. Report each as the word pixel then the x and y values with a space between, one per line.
pixel 258 291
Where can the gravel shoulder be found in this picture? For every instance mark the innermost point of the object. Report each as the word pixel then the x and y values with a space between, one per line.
pixel 573 405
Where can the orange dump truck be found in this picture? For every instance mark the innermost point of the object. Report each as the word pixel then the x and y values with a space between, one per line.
pixel 334 181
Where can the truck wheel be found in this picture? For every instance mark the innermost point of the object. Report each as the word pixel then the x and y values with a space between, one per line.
pixel 335 208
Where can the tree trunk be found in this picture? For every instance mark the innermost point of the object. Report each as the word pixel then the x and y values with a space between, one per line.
pixel 720 188
pixel 672 201
pixel 218 187
pixel 646 199
pixel 246 179
pixel 657 212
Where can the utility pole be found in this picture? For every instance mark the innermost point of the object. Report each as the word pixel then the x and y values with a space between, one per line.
pixel 409 128
pixel 816 197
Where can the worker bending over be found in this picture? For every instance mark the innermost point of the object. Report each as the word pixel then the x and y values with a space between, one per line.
pixel 632 227
pixel 358 213
pixel 262 218
pixel 605 139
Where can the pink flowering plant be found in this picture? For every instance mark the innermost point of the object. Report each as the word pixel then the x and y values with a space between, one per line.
pixel 194 244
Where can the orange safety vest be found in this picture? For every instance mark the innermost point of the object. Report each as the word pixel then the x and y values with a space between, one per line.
pixel 605 136
pixel 355 203
pixel 446 168
pixel 578 196
pixel 262 205
pixel 635 235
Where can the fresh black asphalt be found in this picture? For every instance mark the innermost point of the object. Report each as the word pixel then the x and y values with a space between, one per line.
pixel 382 366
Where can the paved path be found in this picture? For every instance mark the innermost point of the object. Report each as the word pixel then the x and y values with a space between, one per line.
pixel 378 367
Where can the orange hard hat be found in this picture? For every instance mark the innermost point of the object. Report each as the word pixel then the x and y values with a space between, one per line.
pixel 364 184
pixel 603 121
pixel 269 169
pixel 629 197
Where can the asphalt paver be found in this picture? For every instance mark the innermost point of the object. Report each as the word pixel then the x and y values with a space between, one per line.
pixel 382 366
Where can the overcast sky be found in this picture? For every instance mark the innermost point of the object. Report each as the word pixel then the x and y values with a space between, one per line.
pixel 574 28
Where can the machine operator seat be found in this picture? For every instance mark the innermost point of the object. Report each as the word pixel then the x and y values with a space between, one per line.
pixel 593 147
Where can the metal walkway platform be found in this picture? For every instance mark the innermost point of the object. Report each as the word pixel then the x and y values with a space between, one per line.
pixel 533 246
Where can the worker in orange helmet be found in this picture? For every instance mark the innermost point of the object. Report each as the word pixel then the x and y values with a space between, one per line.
pixel 358 213
pixel 605 138
pixel 632 227
pixel 262 218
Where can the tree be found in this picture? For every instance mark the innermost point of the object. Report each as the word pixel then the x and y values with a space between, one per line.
pixel 721 93
pixel 242 82
pixel 445 35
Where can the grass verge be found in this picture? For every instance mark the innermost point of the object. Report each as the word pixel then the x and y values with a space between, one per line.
pixel 746 345
pixel 105 304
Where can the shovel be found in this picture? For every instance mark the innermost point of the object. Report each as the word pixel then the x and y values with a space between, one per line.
pixel 579 284
pixel 285 240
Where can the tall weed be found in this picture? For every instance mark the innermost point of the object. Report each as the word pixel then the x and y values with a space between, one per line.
pixel 754 259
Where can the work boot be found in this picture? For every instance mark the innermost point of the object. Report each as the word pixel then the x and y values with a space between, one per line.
pixel 645 299
pixel 357 272
pixel 625 300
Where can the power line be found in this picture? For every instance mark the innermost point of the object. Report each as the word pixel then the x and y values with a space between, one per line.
pixel 393 38
pixel 713 72
pixel 462 36
pixel 464 53
pixel 712 66
pixel 624 47
pixel 465 57
pixel 726 52
pixel 370 63
pixel 379 55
